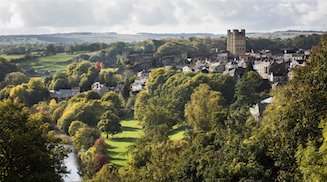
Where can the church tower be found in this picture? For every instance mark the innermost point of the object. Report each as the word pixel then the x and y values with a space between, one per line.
pixel 236 44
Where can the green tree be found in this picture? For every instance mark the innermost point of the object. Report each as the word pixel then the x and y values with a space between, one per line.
pixel 108 172
pixel 51 49
pixel 85 138
pixel 109 123
pixel 204 102
pixel 296 114
pixel 75 126
pixel 27 153
pixel 126 90
pixel 250 90
pixel 92 94
pixel 16 78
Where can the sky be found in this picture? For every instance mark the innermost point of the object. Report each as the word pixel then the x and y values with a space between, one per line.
pixel 160 16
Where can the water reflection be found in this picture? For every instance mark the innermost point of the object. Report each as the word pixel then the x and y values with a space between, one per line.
pixel 72 165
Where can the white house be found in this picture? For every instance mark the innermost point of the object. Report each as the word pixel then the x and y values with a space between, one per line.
pixel 137 87
pixel 185 68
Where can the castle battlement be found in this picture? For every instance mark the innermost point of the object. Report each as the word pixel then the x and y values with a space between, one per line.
pixel 236 43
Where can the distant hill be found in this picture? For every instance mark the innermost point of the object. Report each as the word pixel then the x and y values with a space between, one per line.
pixel 283 34
pixel 81 37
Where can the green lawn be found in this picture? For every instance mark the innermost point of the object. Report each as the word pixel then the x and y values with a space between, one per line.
pixel 58 62
pixel 131 131
pixel 119 143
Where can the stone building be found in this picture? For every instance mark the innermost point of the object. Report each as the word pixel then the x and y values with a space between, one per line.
pixel 236 44
pixel 100 88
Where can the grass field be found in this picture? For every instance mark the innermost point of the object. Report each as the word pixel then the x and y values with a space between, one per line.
pixel 58 62
pixel 8 57
pixel 131 131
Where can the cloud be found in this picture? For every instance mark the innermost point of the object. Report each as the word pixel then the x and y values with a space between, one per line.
pixel 160 16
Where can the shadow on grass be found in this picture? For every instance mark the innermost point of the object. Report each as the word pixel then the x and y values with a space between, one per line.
pixel 118 159
pixel 110 153
pixel 127 128
pixel 111 147
pixel 177 130
pixel 125 139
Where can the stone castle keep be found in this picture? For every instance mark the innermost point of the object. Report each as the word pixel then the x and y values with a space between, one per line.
pixel 236 44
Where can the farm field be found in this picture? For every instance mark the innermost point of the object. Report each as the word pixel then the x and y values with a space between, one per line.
pixel 118 144
pixel 58 62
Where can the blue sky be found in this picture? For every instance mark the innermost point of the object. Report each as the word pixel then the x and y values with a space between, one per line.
pixel 160 16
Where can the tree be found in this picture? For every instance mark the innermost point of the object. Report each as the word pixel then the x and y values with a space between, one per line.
pixel 204 102
pixel 18 92
pixel 250 90
pixel 92 94
pixel 113 98
pixel 100 145
pixel 99 161
pixel 126 90
pixel 85 138
pixel 75 126
pixel 109 123
pixel 108 172
pixel 57 113
pixel 99 65
pixel 297 115
pixel 51 49
pixel 16 78
pixel 27 153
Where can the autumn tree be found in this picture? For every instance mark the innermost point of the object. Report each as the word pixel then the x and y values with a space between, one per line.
pixel 100 145
pixel 99 160
pixel 204 102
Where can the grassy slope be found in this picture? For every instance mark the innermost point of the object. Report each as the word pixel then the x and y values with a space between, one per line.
pixel 119 143
pixel 131 131
pixel 58 62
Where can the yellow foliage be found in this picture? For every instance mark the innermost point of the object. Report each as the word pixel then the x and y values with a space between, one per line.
pixel 52 103
pixel 204 102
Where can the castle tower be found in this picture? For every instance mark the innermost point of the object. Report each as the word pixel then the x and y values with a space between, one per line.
pixel 236 44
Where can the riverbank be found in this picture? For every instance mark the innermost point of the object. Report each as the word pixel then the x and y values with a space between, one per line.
pixel 62 135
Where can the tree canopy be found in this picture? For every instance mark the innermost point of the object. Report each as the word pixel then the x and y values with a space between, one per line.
pixel 26 151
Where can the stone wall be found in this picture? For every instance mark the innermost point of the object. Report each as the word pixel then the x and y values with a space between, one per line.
pixel 236 43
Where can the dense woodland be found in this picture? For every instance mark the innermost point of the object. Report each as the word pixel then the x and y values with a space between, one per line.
pixel 222 142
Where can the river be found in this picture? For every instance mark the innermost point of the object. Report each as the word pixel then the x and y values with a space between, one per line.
pixel 71 161
pixel 72 165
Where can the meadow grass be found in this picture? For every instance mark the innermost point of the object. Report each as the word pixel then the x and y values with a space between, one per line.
pixel 58 62
pixel 117 145
pixel 8 57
